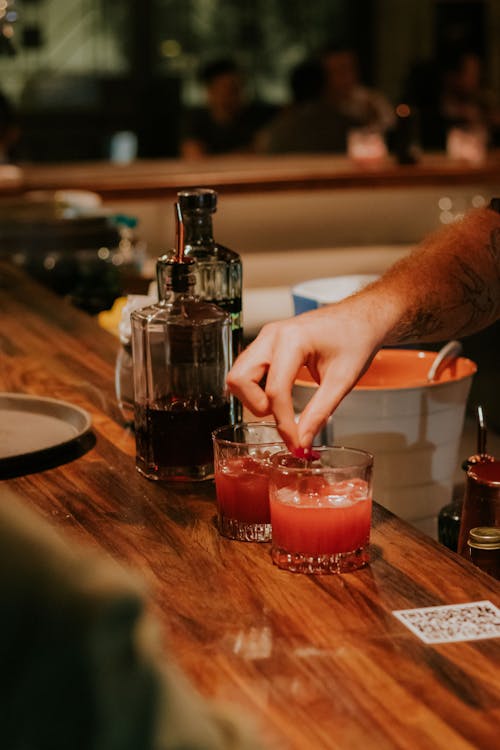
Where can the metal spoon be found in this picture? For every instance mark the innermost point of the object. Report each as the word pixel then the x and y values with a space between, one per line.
pixel 450 351
pixel 482 433
pixel 481 456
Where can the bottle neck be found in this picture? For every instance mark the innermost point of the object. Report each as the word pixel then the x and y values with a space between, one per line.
pixel 198 229
pixel 174 279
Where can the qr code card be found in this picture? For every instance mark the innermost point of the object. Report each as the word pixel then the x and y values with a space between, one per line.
pixel 452 622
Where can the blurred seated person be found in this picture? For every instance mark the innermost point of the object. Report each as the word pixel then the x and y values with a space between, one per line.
pixel 227 124
pixel 9 130
pixel 362 106
pixel 82 667
pixel 309 123
pixel 464 101
pixel 307 81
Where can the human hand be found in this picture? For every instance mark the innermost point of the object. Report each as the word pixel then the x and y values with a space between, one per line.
pixel 336 342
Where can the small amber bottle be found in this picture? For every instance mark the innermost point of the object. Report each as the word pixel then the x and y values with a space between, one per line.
pixel 484 549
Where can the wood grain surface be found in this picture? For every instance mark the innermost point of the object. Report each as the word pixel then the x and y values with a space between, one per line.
pixel 251 173
pixel 319 662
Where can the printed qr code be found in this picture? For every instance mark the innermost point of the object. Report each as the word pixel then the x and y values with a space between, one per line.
pixel 456 622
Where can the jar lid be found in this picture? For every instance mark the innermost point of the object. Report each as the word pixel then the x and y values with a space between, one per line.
pixel 203 199
pixel 484 537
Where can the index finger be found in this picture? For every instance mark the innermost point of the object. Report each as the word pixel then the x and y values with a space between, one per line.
pixel 280 379
pixel 245 377
pixel 336 383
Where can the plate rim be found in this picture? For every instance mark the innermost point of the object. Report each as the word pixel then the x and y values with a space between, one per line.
pixel 27 397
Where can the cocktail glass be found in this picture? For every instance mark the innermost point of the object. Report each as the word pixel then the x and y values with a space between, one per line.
pixel 242 455
pixel 321 510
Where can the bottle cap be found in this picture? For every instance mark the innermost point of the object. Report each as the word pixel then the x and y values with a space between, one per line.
pixel 197 199
pixel 484 537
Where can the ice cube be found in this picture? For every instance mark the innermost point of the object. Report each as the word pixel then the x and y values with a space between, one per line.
pixel 288 496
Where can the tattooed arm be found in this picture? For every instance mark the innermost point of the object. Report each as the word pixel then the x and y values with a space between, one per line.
pixel 448 287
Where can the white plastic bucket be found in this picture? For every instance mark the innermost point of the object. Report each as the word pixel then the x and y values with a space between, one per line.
pixel 412 427
pixel 309 295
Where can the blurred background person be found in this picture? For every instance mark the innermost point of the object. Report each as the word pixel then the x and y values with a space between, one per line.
pixel 362 106
pixel 307 81
pixel 464 100
pixel 307 123
pixel 449 93
pixel 227 124
pixel 311 123
pixel 328 102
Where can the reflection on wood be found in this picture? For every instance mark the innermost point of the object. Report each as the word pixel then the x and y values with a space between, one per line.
pixel 320 662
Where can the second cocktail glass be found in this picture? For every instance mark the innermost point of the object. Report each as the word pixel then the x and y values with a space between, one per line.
pixel 242 455
pixel 321 510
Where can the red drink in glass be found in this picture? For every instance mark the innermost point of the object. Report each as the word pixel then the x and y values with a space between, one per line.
pixel 335 519
pixel 242 468
pixel 321 523
pixel 243 490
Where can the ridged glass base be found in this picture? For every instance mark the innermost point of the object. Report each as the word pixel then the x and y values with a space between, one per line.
pixel 340 562
pixel 244 531
pixel 176 473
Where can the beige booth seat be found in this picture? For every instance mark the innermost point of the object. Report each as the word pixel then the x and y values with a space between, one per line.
pixel 269 278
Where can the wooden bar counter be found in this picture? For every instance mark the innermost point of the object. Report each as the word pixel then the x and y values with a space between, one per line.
pixel 319 662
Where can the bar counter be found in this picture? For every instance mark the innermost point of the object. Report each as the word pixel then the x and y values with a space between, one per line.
pixel 318 662
pixel 145 179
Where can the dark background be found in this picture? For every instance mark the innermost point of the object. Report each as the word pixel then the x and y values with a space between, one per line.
pixel 69 112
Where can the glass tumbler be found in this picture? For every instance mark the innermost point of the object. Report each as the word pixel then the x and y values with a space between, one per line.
pixel 321 510
pixel 242 455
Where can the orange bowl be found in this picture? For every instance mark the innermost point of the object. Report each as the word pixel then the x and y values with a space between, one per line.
pixel 394 369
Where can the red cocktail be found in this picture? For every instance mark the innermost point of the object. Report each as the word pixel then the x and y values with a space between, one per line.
pixel 243 489
pixel 242 468
pixel 321 511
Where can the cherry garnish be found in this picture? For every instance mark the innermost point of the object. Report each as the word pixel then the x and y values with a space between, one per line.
pixel 309 454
